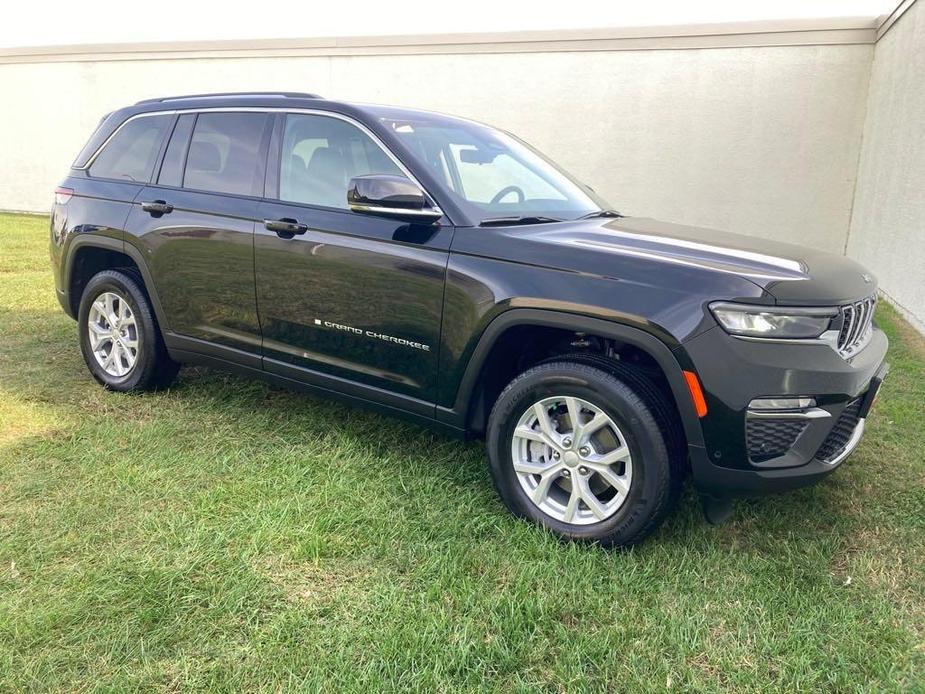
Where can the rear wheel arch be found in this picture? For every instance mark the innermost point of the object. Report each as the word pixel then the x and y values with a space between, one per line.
pixel 90 255
pixel 470 406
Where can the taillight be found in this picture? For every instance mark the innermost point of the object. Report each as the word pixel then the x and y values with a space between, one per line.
pixel 62 195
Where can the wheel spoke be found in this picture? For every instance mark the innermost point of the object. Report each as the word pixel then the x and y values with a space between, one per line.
pixel 542 416
pixel 541 493
pixel 525 432
pixel 107 362
pixel 612 478
pixel 534 467
pixel 597 421
pixel 617 455
pixel 574 415
pixel 98 336
pixel 98 312
pixel 591 501
pixel 117 350
pixel 572 508
pixel 110 310
pixel 100 343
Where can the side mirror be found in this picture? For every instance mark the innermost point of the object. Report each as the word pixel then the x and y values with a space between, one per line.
pixel 387 195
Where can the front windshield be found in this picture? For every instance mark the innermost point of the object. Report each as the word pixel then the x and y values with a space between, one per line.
pixel 490 173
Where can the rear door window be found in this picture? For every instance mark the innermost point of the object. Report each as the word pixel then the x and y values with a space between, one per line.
pixel 131 153
pixel 225 153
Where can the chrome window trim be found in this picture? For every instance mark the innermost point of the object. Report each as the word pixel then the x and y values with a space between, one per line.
pixel 86 167
pixel 256 109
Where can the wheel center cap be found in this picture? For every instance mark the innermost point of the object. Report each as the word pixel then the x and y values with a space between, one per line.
pixel 570 458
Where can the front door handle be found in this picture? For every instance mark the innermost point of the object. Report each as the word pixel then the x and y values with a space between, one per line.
pixel 157 207
pixel 285 227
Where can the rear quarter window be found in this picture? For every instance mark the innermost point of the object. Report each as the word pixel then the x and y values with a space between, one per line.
pixel 132 151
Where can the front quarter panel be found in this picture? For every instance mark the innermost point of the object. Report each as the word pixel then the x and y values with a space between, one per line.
pixel 492 270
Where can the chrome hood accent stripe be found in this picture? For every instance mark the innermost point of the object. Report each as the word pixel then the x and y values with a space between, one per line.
pixel 750 264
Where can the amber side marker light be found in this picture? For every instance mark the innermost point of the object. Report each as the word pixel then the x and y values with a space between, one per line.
pixel 693 385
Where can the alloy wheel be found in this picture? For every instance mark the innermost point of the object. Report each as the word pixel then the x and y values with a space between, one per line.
pixel 572 460
pixel 113 334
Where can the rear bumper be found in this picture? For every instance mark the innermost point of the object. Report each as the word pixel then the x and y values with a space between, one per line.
pixel 736 372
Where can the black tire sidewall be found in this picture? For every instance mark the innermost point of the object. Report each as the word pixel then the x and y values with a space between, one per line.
pixel 123 285
pixel 651 469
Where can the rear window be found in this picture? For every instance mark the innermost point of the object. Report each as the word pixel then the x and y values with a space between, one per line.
pixel 132 152
pixel 224 153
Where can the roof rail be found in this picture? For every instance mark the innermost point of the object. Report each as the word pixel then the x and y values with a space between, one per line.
pixel 289 95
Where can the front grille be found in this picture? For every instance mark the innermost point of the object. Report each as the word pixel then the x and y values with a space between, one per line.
pixel 856 327
pixel 841 433
pixel 770 438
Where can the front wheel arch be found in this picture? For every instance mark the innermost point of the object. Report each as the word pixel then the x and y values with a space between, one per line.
pixel 655 347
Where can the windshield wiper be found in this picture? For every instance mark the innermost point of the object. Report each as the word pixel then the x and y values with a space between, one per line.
pixel 511 221
pixel 601 213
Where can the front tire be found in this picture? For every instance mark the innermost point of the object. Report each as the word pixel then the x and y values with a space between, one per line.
pixel 575 448
pixel 119 336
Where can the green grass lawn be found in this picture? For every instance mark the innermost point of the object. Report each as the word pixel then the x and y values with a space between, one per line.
pixel 228 535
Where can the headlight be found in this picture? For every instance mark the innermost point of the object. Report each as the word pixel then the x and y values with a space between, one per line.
pixel 773 321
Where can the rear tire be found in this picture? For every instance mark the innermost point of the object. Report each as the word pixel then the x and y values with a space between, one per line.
pixel 119 336
pixel 615 505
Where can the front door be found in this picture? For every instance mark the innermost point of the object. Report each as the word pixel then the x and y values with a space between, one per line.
pixel 345 300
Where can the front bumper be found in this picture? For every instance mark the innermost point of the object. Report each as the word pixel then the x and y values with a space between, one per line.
pixel 748 453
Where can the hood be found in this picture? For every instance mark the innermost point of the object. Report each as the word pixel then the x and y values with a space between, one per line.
pixel 792 274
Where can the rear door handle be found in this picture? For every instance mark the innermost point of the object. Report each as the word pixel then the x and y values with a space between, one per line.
pixel 285 227
pixel 157 207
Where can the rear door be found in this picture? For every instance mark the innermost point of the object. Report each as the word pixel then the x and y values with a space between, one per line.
pixel 195 227
pixel 351 301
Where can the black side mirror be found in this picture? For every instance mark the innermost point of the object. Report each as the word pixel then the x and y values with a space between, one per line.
pixel 387 195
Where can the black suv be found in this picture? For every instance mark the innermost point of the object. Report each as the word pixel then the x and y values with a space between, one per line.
pixel 445 271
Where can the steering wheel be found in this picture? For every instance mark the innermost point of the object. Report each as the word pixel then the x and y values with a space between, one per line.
pixel 504 191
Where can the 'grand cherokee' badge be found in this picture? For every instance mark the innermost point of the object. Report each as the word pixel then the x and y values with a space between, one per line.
pixel 372 334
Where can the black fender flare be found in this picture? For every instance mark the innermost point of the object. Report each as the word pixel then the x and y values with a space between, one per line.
pixel 119 246
pixel 652 345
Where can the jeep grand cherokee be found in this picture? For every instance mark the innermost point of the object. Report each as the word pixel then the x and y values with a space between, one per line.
pixel 445 271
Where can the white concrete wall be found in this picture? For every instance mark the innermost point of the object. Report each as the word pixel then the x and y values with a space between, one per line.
pixel 761 140
pixel 888 223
